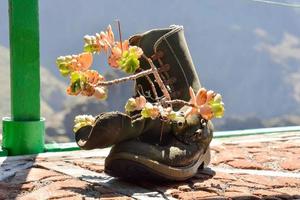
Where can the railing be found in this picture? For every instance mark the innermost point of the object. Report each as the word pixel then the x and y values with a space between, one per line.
pixel 23 133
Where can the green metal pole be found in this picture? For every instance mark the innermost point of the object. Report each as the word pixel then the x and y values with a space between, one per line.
pixel 23 133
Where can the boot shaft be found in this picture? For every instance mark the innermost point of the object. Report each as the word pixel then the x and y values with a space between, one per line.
pixel 169 51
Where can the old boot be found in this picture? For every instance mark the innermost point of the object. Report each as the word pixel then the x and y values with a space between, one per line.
pixel 172 151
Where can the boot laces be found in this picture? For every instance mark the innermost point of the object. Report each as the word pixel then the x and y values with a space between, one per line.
pixel 163 72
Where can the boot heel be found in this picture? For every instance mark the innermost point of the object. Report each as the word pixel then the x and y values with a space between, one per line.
pixel 206 159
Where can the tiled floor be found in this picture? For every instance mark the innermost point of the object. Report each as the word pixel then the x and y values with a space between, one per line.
pixel 249 167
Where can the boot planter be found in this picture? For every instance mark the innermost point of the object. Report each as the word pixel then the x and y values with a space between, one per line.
pixel 165 131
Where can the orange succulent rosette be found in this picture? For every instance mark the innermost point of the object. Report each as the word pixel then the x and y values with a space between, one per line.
pixel 208 104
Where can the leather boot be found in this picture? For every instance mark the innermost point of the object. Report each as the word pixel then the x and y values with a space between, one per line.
pixel 171 151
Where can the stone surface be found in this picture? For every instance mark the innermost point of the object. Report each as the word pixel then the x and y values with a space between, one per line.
pixel 291 164
pixel 278 153
pixel 245 164
pixel 249 167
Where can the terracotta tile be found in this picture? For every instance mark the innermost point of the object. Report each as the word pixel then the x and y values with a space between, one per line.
pixel 287 145
pixel 291 164
pixel 263 158
pixel 114 197
pixel 194 195
pixel 224 176
pixel 245 164
pixel 232 194
pixel 265 193
pixel 253 145
pixel 261 180
pixel 240 183
pixel 184 188
pixel 243 189
pixel 33 174
pixel 14 190
pixel 218 149
pixel 173 192
pixel 295 151
pixel 90 166
pixel 59 189
pixel 289 182
pixel 211 184
pixel 40 183
pixel 221 158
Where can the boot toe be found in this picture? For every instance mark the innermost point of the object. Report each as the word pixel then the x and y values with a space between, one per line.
pixel 82 136
pixel 109 128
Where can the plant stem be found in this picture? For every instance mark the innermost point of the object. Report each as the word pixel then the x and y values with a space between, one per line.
pixel 158 79
pixel 153 70
pixel 124 79
pixel 152 87
pixel 120 34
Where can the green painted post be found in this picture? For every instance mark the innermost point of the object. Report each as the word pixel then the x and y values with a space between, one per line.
pixel 23 133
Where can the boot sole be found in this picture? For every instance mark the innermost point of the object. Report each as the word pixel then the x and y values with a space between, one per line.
pixel 129 166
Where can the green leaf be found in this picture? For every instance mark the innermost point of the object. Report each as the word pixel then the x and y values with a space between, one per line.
pixel 77 75
pixel 218 98
pixel 145 113
pixel 130 105
pixel 217 109
pixel 91 48
pixel 83 120
pixel 88 48
pixel 129 62
pixel 172 115
pixel 64 70
pixel 76 87
pixel 62 66
pixel 150 111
